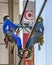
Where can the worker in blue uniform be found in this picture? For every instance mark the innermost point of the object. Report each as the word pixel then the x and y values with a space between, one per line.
pixel 39 30
pixel 37 35
pixel 8 26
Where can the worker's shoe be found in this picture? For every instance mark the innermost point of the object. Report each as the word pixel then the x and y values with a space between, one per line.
pixel 20 51
pixel 20 55
pixel 29 53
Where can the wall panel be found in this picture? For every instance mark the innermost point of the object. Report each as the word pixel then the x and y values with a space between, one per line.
pixel 16 1
pixel 3 0
pixel 3 11
pixel 4 58
pixel 16 13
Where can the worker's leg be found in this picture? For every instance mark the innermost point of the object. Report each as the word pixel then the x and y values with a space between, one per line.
pixel 16 39
pixel 30 44
pixel 18 42
pixel 31 41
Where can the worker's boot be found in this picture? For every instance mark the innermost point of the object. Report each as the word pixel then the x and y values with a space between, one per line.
pixel 20 51
pixel 29 52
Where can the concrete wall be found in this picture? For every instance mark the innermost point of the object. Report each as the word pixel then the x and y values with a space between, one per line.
pixel 4 53
pixel 4 57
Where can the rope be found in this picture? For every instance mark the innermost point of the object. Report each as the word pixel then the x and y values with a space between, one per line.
pixel 21 23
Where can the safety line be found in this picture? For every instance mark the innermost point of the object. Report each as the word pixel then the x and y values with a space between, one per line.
pixel 21 23
pixel 24 11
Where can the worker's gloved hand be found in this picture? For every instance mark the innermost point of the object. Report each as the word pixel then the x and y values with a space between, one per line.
pixel 27 26
pixel 19 26
pixel 30 27
pixel 24 26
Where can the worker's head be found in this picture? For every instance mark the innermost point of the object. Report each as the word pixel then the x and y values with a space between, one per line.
pixel 40 19
pixel 5 17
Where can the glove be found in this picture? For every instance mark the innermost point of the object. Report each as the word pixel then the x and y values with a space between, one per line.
pixel 30 27
pixel 19 26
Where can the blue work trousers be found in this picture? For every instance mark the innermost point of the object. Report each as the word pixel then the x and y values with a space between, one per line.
pixel 16 39
pixel 32 39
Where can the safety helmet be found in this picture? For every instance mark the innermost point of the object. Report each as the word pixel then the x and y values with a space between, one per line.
pixel 5 17
pixel 40 19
